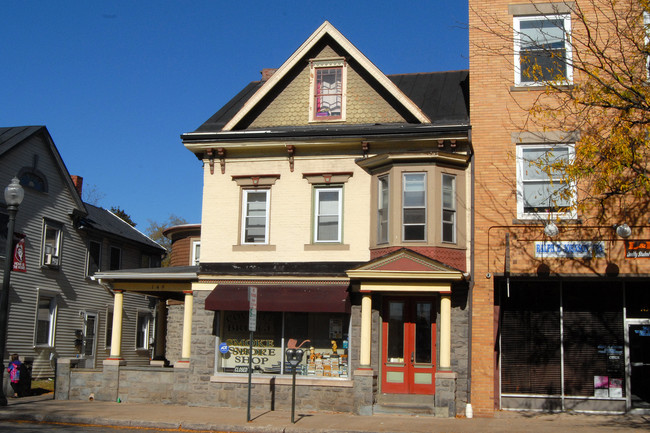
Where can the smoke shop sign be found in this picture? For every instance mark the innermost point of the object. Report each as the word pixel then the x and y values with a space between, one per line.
pixel 637 249
pixel 570 249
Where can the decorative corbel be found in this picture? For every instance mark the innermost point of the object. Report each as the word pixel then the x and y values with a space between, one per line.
pixel 453 143
pixel 365 146
pixel 222 159
pixel 441 144
pixel 210 154
pixel 291 149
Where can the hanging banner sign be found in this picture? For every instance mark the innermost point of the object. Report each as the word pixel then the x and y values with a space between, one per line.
pixel 252 311
pixel 20 265
pixel 570 249
pixel 637 249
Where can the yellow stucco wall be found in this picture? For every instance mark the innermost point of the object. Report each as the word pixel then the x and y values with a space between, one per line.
pixel 291 213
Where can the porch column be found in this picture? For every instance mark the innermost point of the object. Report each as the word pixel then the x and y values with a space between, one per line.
pixel 116 335
pixel 445 332
pixel 366 325
pixel 187 326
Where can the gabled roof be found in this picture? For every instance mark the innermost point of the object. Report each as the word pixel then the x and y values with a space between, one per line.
pixel 10 137
pixel 405 264
pixel 106 221
pixel 442 96
pixel 326 29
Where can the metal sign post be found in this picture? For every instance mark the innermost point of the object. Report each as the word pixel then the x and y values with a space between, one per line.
pixel 252 325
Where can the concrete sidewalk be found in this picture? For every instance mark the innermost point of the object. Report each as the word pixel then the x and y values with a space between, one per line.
pixel 44 409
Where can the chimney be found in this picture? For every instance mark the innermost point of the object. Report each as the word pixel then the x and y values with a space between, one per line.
pixel 267 72
pixel 78 183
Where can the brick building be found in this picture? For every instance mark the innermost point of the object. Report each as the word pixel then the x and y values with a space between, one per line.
pixel 559 305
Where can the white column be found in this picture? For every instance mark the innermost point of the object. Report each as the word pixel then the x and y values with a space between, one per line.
pixel 116 336
pixel 445 332
pixel 187 326
pixel 366 328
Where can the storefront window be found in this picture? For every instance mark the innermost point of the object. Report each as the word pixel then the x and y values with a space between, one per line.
pixel 323 336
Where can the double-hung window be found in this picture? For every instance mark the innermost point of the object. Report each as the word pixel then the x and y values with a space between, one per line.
pixel 143 330
pixel 94 257
pixel 448 208
pixel 109 328
pixel 116 259
pixel 45 326
pixel 539 192
pixel 196 253
pixel 255 216
pixel 542 49
pixel 414 209
pixel 328 214
pixel 383 200
pixel 52 235
pixel 327 92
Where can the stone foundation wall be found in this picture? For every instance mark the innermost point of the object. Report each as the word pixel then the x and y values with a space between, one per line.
pixel 460 344
pixel 174 334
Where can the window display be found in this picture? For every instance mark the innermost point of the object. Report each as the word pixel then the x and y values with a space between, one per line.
pixel 323 336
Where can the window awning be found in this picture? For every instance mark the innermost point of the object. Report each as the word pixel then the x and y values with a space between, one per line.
pixel 311 297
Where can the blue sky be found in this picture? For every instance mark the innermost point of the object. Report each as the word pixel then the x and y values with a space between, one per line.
pixel 117 82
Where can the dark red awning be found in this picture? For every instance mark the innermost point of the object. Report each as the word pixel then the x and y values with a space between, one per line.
pixel 317 297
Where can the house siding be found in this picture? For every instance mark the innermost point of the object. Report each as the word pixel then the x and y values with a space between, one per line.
pixel 74 292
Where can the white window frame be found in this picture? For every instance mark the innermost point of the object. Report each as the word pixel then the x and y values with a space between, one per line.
pixel 244 216
pixel 521 214
pixel 567 47
pixel 424 206
pixel 146 332
pixel 317 213
pixel 327 63
pixel 383 209
pixel 88 257
pixel 51 295
pixel 452 209
pixel 110 258
pixel 196 253
pixel 51 254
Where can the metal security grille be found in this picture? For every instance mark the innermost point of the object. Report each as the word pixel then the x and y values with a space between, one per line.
pixel 593 340
pixel 530 339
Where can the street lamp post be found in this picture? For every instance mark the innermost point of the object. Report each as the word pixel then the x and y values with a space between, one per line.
pixel 14 194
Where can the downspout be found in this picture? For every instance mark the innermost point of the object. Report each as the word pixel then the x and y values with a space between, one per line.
pixel 470 296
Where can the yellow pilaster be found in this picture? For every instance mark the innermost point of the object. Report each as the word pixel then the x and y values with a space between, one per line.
pixel 187 325
pixel 445 332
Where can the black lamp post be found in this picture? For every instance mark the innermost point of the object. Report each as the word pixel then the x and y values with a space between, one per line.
pixel 14 194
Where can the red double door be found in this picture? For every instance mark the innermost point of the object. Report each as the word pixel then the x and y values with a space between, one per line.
pixel 409 346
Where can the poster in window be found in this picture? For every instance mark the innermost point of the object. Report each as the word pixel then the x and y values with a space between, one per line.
pixel 601 386
pixel 616 388
pixel 336 328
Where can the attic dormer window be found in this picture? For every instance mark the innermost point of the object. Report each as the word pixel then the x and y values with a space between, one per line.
pixel 327 90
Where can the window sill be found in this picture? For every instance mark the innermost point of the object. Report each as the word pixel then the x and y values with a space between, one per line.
pixel 254 247
pixel 541 220
pixel 265 379
pixel 537 87
pixel 327 247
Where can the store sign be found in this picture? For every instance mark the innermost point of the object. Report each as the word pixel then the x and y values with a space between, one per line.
pixel 570 249
pixel 265 355
pixel 637 249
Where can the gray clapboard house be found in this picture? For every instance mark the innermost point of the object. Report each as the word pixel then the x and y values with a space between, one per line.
pixel 57 310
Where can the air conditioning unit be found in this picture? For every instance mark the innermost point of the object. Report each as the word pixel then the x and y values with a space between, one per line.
pixel 48 259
